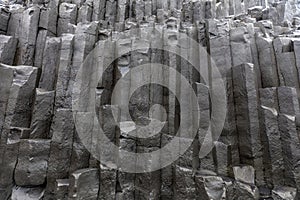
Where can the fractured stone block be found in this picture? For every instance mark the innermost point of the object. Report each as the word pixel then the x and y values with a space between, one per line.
pixel 32 163
pixel 84 184
pixel 42 114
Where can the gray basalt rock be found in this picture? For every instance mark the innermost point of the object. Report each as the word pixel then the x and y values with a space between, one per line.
pixel 62 131
pixel 289 136
pixel 42 114
pixel 108 178
pixel 84 184
pixel 239 190
pixel 48 17
pixel 10 154
pixel 246 103
pixel 268 66
pixel 32 163
pixel 210 187
pixel 61 189
pixel 286 62
pixel 50 63
pixel 184 184
pixel 67 16
pixel 43 157
pixel 244 174
pixel 5 15
pixel 6 75
pixel 273 155
pixel 40 44
pixel 27 193
pixel 27 31
pixel 286 193
pixel 8 46
pixel 20 99
pixel 220 56
pixel 63 93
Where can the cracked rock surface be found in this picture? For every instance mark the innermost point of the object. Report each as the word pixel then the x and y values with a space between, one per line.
pixel 255 45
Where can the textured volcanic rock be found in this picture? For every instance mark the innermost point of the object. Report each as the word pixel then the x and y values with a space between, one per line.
pixel 254 45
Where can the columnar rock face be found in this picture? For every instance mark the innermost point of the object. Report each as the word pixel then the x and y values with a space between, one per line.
pixel 249 48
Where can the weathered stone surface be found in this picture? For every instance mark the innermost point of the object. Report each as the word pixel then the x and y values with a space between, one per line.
pixel 244 174
pixel 286 193
pixel 147 185
pixel 246 103
pixel 50 63
pixel 85 13
pixel 40 44
pixel 209 187
pixel 42 114
pixel 67 16
pixel 61 189
pixel 233 32
pixel 239 190
pixel 6 75
pixel 84 184
pixel 27 193
pixel 4 18
pixel 271 140
pixel 184 184
pixel 48 17
pixel 10 154
pixel 222 154
pixel 126 181
pixel 286 62
pixel 108 178
pixel 62 131
pixel 63 93
pixel 27 31
pixel 85 38
pixel 289 136
pixel 20 99
pixel 268 67
pixel 219 49
pixel 32 163
pixel 8 45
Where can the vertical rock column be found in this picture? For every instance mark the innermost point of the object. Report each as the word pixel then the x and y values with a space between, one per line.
pixel 221 58
pixel 85 38
pixel 62 131
pixel 50 63
pixel 271 140
pixel 27 33
pixel 170 40
pixel 17 107
pixel 207 162
pixel 32 163
pixel 48 17
pixel 8 46
pixel 67 18
pixel 286 62
pixel 267 62
pixel 42 114
pixel 289 108
pixel 63 91
pixel 4 18
pixel 246 106
pixel 6 75
pixel 184 185
pixel 108 171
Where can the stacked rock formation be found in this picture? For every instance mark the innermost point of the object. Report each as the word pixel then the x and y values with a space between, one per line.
pixel 255 44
